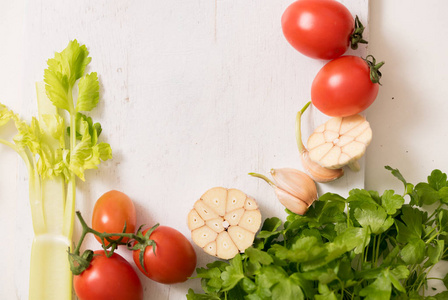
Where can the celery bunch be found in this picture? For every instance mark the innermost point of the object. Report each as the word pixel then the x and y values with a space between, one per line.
pixel 56 148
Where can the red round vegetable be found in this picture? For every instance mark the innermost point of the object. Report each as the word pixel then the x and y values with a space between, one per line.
pixel 174 259
pixel 112 211
pixel 346 86
pixel 108 278
pixel 321 29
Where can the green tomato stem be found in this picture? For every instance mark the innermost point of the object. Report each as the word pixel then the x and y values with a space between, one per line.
pixel 78 262
pixel 356 37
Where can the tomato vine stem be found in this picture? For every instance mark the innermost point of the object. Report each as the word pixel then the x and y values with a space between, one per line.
pixel 136 241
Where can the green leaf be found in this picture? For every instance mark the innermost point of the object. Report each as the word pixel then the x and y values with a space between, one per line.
pixel 5 115
pixel 427 194
pixel 397 174
pixel 63 70
pixel 248 285
pixel 84 156
pixel 55 127
pixel 396 274
pixel 287 290
pixel 391 201
pixel 413 252
pixel 380 289
pixel 441 296
pixel 412 227
pixel 256 255
pixel 443 194
pixel 193 296
pixel 445 280
pixel 435 253
pixel 362 196
pixel 304 249
pixel 373 217
pixel 89 92
pixel 233 273
pixel 437 179
pixel 325 293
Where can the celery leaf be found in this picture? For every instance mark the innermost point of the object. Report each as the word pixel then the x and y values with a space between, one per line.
pixel 89 92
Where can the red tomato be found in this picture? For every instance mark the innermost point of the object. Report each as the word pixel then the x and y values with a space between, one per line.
pixel 112 210
pixel 318 28
pixel 343 87
pixel 106 278
pixel 175 259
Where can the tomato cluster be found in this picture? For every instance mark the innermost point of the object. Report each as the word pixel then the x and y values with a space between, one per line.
pixel 324 29
pixel 167 257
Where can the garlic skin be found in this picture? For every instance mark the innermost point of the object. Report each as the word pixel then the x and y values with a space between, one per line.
pixel 292 203
pixel 296 183
pixel 294 189
pixel 316 171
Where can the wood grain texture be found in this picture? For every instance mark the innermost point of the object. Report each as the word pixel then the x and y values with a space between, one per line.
pixel 194 94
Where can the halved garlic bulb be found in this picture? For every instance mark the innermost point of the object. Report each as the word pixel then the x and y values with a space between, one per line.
pixel 224 222
pixel 340 141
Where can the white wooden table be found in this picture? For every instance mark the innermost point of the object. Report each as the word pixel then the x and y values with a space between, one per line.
pixel 196 94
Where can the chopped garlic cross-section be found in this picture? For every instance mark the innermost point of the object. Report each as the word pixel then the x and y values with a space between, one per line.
pixel 224 222
pixel 340 141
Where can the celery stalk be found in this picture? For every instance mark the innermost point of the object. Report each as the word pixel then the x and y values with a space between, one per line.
pixel 54 159
pixel 50 275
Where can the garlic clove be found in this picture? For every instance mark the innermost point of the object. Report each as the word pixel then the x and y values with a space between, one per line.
pixel 319 173
pixel 216 198
pixel 295 205
pixel 206 212
pixel 225 247
pixel 316 171
pixel 296 183
pixel 250 204
pixel 235 199
pixel 194 220
pixel 203 236
pixel 250 220
pixel 234 217
pixel 242 238
pixel 216 224
pixel 211 248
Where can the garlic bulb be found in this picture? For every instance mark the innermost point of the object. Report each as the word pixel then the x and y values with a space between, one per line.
pixel 294 189
pixel 340 141
pixel 316 171
pixel 224 222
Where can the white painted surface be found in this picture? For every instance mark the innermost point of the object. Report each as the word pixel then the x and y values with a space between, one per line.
pixel 197 94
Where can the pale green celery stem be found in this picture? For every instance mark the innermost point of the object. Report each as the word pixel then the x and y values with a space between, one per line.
pixel 69 214
pixel 50 275
pixel 37 214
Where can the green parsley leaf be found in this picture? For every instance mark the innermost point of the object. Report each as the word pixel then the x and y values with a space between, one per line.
pixel 412 227
pixel 391 201
pixel 414 252
pixel 373 217
pixel 233 273
pixel 380 289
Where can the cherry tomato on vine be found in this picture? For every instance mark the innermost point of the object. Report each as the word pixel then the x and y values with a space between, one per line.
pixel 108 278
pixel 112 211
pixel 321 29
pixel 174 259
pixel 344 87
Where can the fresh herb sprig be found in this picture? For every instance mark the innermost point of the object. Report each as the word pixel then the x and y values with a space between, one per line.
pixel 366 246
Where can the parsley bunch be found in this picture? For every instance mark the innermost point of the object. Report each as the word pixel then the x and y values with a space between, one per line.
pixel 367 246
